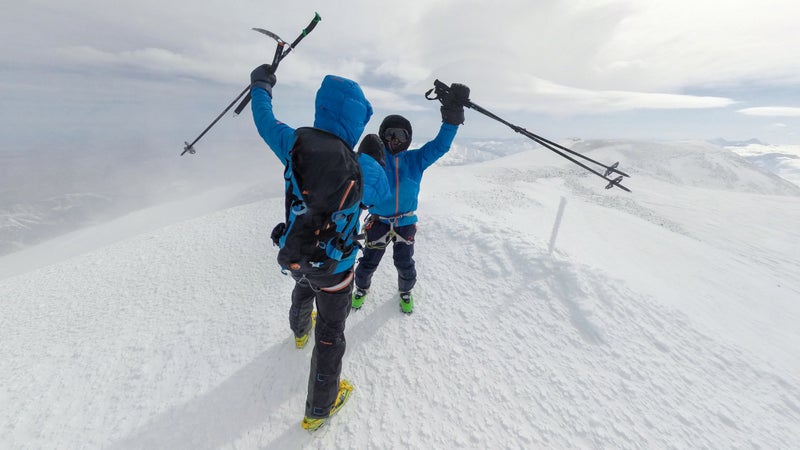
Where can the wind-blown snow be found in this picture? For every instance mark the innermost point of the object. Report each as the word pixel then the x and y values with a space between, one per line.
pixel 664 318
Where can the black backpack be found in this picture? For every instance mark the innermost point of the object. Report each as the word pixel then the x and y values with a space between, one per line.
pixel 323 200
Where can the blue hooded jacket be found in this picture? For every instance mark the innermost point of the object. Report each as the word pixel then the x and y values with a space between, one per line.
pixel 341 109
pixel 404 171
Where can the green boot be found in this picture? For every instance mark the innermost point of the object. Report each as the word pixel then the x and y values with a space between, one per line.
pixel 406 302
pixel 358 297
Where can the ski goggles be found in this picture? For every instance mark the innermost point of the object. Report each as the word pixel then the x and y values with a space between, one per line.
pixel 399 134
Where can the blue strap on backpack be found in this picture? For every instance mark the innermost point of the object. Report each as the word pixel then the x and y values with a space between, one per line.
pixel 323 202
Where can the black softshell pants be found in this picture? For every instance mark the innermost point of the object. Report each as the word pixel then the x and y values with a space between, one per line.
pixel 332 295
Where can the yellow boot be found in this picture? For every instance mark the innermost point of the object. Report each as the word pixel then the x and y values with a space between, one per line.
pixel 301 341
pixel 345 389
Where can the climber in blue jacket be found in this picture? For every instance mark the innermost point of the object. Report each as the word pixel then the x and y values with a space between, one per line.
pixel 342 113
pixel 394 219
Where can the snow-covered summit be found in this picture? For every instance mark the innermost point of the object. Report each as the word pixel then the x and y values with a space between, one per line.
pixel 660 318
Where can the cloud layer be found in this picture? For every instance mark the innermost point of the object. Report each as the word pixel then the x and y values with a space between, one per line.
pixel 551 57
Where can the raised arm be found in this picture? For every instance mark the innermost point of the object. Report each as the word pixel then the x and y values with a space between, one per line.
pixel 436 148
pixel 279 136
pixel 452 110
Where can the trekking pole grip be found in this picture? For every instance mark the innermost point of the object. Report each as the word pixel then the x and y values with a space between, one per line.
pixel 438 88
pixel 441 88
pixel 312 24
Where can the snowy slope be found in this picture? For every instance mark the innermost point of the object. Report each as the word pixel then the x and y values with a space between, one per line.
pixel 67 245
pixel 55 191
pixel 658 319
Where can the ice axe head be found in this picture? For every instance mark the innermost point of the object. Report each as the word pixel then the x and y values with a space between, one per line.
pixel 271 34
pixel 278 52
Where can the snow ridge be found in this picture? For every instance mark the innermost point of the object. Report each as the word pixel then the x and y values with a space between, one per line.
pixel 665 318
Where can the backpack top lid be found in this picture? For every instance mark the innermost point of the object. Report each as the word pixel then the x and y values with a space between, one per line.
pixel 342 109
pixel 327 173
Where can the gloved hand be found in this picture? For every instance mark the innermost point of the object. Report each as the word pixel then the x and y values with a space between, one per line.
pixel 453 104
pixel 373 146
pixel 264 77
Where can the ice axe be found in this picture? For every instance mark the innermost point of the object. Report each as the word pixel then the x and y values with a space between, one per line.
pixel 280 52
pixel 441 89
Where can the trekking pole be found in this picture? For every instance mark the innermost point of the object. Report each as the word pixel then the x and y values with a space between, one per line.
pixel 280 53
pixel 443 89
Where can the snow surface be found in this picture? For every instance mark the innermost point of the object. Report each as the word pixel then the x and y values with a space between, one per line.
pixel 664 318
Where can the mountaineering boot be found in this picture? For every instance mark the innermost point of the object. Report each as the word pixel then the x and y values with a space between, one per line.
pixel 358 297
pixel 345 389
pixel 406 302
pixel 301 341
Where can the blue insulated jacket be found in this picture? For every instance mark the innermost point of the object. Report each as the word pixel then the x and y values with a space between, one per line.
pixel 341 109
pixel 376 186
pixel 404 171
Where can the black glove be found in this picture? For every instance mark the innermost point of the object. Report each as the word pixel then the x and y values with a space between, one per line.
pixel 264 77
pixel 372 145
pixel 453 104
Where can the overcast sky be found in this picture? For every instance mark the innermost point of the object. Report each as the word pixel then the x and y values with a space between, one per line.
pixel 155 73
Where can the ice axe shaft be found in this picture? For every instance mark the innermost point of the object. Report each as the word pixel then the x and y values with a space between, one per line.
pixel 280 52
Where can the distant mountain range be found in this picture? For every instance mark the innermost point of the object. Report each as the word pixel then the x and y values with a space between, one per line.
pixel 70 192
pixel 726 143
